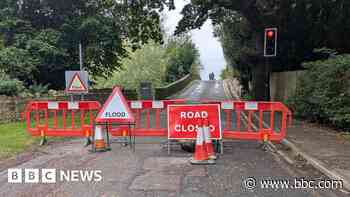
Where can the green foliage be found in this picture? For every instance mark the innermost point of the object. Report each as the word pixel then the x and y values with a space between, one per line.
pixel 182 56
pixel 247 97
pixel 17 63
pixel 229 73
pixel 14 139
pixel 323 92
pixel 8 86
pixel 155 63
pixel 38 89
pixel 39 38
pixel 145 64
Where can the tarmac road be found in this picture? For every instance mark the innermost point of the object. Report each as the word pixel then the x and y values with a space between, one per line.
pixel 150 171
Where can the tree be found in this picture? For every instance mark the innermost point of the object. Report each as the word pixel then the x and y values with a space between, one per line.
pixel 238 45
pixel 45 34
pixel 155 63
pixel 182 57
pixel 148 63
pixel 303 26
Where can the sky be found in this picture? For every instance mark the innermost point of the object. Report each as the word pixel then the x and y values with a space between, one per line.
pixel 211 54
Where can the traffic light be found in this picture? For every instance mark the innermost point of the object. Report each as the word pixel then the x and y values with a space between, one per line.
pixel 270 42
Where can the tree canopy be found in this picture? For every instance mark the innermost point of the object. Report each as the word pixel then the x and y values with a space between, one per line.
pixel 303 27
pixel 159 64
pixel 41 37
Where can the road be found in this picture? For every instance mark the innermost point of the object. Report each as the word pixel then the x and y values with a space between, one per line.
pixel 150 171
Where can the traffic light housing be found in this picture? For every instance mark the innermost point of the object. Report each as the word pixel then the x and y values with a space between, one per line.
pixel 270 42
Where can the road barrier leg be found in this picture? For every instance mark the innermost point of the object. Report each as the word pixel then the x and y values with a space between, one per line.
pixel 265 141
pixel 43 140
pixel 108 147
pixel 125 136
pixel 88 139
pixel 221 146
pixel 87 142
pixel 168 147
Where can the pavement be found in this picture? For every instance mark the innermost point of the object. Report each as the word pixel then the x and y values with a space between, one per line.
pixel 150 171
pixel 327 149
pixel 324 148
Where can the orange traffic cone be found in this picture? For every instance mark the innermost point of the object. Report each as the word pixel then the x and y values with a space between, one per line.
pixel 208 142
pixel 200 155
pixel 99 143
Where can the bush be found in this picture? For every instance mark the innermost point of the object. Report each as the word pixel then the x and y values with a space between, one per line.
pixel 229 73
pixel 323 93
pixel 10 87
pixel 38 89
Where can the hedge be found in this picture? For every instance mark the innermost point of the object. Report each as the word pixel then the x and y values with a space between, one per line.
pixel 323 93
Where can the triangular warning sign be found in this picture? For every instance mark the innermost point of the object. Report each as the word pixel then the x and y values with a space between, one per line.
pixel 115 109
pixel 76 85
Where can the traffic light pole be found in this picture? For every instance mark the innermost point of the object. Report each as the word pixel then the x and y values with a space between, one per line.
pixel 267 79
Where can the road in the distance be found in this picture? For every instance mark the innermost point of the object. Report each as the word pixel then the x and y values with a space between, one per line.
pixel 204 90
pixel 149 171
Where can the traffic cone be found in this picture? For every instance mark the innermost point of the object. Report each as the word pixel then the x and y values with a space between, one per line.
pixel 200 155
pixel 208 143
pixel 99 143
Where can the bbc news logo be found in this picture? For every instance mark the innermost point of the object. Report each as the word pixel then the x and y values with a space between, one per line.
pixel 18 175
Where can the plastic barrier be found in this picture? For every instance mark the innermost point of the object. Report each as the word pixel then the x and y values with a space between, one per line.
pixel 150 119
pixel 61 118
pixel 264 121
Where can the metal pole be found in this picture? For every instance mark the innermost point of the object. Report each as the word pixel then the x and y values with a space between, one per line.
pixel 81 56
pixel 267 82
pixel 81 63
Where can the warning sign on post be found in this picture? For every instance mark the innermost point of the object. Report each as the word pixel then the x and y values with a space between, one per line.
pixel 76 82
pixel 184 120
pixel 115 109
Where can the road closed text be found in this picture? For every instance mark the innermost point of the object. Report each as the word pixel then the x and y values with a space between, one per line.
pixel 184 120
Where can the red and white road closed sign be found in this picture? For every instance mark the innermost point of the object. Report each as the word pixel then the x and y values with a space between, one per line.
pixel 184 120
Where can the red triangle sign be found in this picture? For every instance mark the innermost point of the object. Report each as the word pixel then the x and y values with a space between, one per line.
pixel 115 109
pixel 76 84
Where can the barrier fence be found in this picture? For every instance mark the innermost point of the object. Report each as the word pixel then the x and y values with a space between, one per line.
pixel 239 119
pixel 61 118
pixel 244 120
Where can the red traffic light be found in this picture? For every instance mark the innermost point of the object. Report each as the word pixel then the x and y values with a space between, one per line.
pixel 270 42
pixel 270 34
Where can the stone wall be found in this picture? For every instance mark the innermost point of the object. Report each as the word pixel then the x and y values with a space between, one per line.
pixel 175 87
pixel 283 84
pixel 11 108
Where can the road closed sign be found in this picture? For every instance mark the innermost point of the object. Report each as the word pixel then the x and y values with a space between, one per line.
pixel 115 109
pixel 184 120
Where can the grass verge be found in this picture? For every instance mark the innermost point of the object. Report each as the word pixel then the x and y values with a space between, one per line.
pixel 15 139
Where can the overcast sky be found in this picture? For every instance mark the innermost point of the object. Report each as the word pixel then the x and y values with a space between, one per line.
pixel 211 54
